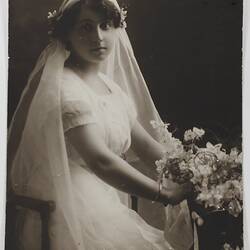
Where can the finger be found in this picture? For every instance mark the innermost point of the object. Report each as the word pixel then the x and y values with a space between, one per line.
pixel 194 215
pixel 199 221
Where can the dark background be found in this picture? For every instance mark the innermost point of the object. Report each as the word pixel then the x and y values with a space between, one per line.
pixel 189 52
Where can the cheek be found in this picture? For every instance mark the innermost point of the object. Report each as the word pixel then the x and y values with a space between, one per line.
pixel 76 39
pixel 111 40
pixel 79 45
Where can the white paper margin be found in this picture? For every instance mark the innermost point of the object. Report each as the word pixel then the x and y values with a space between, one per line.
pixel 3 111
pixel 246 119
pixel 3 115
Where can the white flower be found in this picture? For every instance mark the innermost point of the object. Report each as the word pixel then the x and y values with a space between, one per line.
pixel 123 14
pixel 172 145
pixel 227 247
pixel 205 170
pixel 233 153
pixel 160 165
pixel 239 159
pixel 199 132
pixel 193 134
pixel 189 135
pixel 217 150
pixel 235 208
pixel 52 14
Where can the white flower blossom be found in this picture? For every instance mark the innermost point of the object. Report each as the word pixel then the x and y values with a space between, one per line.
pixel 194 134
pixel 52 14
pixel 199 132
pixel 189 135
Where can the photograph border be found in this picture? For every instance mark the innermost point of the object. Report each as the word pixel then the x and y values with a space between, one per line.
pixel 3 115
pixel 3 112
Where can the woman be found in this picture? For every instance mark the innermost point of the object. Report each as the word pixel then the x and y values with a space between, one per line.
pixel 72 129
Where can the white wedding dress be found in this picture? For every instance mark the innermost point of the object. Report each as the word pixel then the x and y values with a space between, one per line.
pixel 105 222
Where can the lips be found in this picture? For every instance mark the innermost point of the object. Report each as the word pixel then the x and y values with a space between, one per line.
pixel 99 49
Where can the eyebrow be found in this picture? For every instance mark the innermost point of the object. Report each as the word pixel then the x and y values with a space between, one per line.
pixel 86 20
pixel 90 20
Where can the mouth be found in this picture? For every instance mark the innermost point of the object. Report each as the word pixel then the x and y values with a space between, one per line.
pixel 99 49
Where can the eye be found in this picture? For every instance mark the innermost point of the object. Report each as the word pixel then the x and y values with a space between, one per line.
pixel 106 25
pixel 86 27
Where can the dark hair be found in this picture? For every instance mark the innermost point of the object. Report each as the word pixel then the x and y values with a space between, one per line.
pixel 61 23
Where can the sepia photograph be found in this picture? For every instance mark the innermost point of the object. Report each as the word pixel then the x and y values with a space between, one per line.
pixel 124 125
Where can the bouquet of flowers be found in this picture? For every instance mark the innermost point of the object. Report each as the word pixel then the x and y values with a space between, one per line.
pixel 217 178
pixel 216 174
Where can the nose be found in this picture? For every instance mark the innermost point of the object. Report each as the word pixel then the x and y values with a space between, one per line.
pixel 98 35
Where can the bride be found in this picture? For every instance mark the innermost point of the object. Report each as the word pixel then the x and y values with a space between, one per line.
pixel 83 116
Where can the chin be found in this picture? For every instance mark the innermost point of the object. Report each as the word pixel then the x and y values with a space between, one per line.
pixel 97 58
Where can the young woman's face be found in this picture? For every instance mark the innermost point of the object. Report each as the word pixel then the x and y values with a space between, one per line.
pixel 93 37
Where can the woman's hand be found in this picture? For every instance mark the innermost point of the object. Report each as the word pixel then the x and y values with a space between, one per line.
pixel 174 193
pixel 197 218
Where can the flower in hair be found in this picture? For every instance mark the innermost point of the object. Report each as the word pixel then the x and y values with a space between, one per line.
pixel 123 13
pixel 52 14
pixel 53 18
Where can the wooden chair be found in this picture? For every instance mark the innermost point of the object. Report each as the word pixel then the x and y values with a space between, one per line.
pixel 134 203
pixel 13 206
pixel 44 208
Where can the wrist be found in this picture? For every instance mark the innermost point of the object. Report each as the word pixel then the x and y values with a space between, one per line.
pixel 158 194
pixel 162 194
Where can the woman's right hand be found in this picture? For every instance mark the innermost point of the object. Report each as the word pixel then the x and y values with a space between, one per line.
pixel 173 193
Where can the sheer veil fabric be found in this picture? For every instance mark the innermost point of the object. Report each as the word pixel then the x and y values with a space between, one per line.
pixel 36 136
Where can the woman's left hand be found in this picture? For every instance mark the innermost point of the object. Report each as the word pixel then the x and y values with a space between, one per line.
pixel 197 218
pixel 177 192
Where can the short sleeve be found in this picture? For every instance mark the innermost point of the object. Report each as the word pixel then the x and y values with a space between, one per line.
pixel 75 103
pixel 76 113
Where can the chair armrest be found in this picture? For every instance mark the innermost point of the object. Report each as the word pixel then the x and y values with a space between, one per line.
pixel 134 203
pixel 44 208
pixel 40 206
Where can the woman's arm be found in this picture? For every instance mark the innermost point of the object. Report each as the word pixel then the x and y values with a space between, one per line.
pixel 112 169
pixel 144 145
